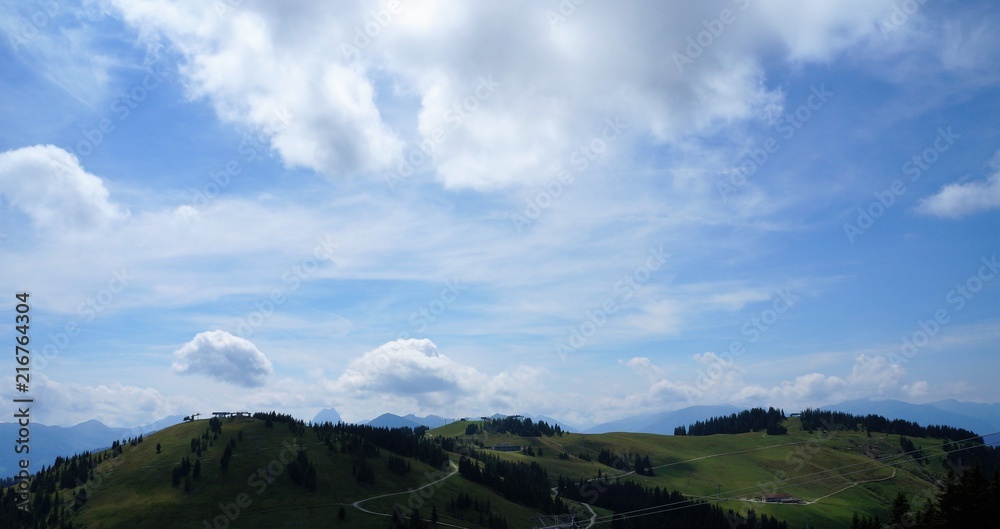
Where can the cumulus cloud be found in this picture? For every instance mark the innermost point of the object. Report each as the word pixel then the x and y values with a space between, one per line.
pixel 49 185
pixel 355 81
pixel 412 373
pixel 410 367
pixel 960 200
pixel 277 71
pixel 225 357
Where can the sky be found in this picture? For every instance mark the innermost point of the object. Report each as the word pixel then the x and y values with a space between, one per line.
pixel 579 209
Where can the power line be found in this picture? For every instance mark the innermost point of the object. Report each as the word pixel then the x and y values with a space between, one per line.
pixel 688 502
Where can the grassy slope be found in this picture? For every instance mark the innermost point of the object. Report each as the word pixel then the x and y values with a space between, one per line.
pixel 134 489
pixel 759 461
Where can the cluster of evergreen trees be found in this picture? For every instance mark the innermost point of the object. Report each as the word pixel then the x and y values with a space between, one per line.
pixel 295 426
pixel 968 500
pixel 677 512
pixel 640 464
pixel 836 420
pixel 366 440
pixel 524 483
pixel 208 438
pixel 521 427
pixel 50 507
pixel 187 471
pixel 398 465
pixel 459 505
pixel 303 472
pixel 74 471
pixel 752 420
pixel 916 453
pixel 973 453
pixel 400 520
pixel 227 455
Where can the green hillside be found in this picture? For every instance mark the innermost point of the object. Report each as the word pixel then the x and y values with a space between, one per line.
pixel 134 489
pixel 834 474
pixel 744 466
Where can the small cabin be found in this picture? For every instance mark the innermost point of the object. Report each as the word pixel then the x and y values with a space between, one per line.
pixel 779 497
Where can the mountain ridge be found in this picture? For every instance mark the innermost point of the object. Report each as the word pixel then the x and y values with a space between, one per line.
pixel 89 435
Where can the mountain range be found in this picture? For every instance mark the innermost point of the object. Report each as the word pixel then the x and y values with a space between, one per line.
pixel 48 442
pixel 662 422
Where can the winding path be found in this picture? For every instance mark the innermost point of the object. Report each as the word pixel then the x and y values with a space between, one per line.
pixel 454 470
pixel 856 483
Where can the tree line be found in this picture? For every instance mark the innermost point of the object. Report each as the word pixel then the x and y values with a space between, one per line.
pixel 521 427
pixel 519 482
pixel 50 508
pixel 964 499
pixel 752 420
pixel 823 420
pixel 365 439
pixel 640 464
pixel 678 512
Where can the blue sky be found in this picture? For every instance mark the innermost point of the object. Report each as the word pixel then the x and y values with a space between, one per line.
pixel 578 209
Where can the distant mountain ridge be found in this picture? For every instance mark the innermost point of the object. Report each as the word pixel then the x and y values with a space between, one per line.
pixel 662 423
pixel 329 415
pixel 391 420
pixel 50 442
pixel 983 419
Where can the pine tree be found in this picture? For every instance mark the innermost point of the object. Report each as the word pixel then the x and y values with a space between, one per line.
pixel 897 511
pixel 226 456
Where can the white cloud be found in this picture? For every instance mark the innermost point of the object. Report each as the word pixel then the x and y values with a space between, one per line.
pixel 643 367
pixel 113 404
pixel 555 84
pixel 49 185
pixel 724 380
pixel 875 375
pixel 960 200
pixel 411 374
pixel 278 73
pixel 408 367
pixel 225 357
pixel 58 41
